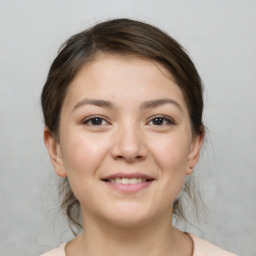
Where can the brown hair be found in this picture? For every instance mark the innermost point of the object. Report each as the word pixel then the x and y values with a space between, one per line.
pixel 124 37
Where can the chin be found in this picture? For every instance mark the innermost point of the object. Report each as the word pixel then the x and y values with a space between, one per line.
pixel 129 216
pixel 128 221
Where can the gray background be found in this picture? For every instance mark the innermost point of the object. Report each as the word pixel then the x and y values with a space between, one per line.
pixel 221 39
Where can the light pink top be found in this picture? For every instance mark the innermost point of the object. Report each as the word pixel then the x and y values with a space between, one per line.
pixel 201 248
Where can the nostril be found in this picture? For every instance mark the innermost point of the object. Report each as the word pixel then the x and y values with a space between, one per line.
pixel 129 158
pixel 128 147
pixel 119 157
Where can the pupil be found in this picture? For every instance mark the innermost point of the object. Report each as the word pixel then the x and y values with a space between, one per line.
pixel 158 121
pixel 96 121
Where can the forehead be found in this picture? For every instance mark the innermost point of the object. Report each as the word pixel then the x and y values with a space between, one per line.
pixel 116 76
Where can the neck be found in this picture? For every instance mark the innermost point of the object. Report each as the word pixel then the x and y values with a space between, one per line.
pixel 155 238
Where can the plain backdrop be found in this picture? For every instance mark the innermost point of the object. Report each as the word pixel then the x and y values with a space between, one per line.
pixel 220 37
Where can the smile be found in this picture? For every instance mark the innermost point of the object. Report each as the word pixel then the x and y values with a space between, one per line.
pixel 127 180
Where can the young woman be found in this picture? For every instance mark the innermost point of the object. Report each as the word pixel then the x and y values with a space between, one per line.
pixel 123 127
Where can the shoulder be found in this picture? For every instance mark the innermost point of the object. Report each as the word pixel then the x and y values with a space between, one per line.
pixel 205 248
pixel 60 251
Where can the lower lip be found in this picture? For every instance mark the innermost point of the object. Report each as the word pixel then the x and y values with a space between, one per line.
pixel 129 188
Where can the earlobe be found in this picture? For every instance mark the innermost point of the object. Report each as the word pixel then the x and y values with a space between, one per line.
pixel 194 153
pixel 54 150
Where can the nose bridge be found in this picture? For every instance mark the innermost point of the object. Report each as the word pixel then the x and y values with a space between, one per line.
pixel 129 141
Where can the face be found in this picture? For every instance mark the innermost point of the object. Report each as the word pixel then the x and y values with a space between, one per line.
pixel 125 140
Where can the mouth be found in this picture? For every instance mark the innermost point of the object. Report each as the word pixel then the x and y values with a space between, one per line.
pixel 128 183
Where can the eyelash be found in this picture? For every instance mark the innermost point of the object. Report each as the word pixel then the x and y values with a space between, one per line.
pixel 89 121
pixel 163 121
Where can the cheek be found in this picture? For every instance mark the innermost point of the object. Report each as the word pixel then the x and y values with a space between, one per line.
pixel 171 153
pixel 83 154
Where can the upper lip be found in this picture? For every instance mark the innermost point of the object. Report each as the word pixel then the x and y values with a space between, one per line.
pixel 128 176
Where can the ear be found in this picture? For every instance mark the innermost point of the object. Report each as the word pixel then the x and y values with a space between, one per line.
pixel 194 153
pixel 54 150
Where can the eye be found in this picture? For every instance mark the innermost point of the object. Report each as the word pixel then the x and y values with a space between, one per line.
pixel 95 121
pixel 160 120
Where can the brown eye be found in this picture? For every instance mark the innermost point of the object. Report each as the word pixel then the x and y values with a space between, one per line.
pixel 95 121
pixel 160 121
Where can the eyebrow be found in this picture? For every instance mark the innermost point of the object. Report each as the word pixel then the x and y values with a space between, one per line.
pixel 95 102
pixel 160 102
pixel 145 105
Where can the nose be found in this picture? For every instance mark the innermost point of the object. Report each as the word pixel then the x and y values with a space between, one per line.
pixel 129 143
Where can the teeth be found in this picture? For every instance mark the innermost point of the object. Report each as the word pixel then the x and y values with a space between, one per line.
pixel 126 181
pixel 118 180
pixel 133 181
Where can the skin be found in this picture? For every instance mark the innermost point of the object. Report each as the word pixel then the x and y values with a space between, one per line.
pixel 127 139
